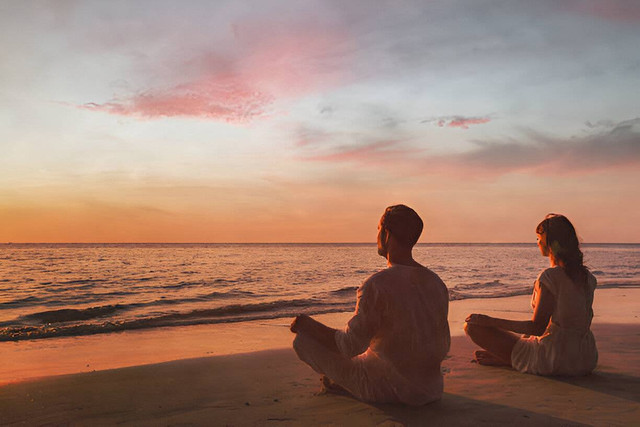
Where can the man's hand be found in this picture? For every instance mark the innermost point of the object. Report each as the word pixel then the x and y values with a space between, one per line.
pixel 299 323
pixel 315 330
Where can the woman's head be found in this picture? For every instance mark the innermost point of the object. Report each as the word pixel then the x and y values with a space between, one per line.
pixel 558 238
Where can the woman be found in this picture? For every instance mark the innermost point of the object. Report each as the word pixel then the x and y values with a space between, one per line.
pixel 558 340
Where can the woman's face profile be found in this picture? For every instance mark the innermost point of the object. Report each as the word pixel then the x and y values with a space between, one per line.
pixel 542 244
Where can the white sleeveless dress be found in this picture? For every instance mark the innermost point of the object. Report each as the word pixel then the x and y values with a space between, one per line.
pixel 567 346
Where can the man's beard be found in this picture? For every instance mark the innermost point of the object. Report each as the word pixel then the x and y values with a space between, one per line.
pixel 382 251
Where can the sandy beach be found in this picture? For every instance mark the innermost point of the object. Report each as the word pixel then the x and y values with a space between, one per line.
pixel 179 180
pixel 247 374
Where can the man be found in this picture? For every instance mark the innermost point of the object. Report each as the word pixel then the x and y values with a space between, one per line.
pixel 391 349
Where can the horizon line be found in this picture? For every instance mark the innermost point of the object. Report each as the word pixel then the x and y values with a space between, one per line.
pixel 294 243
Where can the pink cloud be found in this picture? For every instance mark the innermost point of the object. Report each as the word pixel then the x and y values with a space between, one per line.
pixel 458 121
pixel 613 10
pixel 464 123
pixel 372 153
pixel 215 99
pixel 266 65
pixel 294 60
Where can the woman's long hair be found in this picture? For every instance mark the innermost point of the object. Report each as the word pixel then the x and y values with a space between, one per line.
pixel 563 243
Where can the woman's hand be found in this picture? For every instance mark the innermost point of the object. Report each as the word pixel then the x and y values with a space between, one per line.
pixel 479 319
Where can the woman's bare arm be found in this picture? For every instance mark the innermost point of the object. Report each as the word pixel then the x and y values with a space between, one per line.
pixel 536 326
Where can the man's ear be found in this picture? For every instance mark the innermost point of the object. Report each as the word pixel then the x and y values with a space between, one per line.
pixel 387 236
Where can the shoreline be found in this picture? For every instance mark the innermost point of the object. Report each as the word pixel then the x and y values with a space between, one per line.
pixel 227 314
pixel 39 358
pixel 247 374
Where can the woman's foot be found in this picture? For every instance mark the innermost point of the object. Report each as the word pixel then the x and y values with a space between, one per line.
pixel 483 357
pixel 329 386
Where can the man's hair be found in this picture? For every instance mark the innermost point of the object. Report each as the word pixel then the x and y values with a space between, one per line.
pixel 404 223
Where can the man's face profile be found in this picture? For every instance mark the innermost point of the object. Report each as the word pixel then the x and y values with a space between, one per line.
pixel 382 240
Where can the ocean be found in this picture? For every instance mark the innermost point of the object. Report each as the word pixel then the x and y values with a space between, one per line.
pixel 51 290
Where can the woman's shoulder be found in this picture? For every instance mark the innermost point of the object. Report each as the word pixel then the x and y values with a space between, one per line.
pixel 551 276
pixel 554 276
pixel 552 272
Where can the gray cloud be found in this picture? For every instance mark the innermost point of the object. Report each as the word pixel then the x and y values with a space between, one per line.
pixel 535 153
pixel 617 146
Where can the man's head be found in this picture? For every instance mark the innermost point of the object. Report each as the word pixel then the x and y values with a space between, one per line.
pixel 401 222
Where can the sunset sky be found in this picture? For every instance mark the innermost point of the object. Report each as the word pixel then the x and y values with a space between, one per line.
pixel 299 121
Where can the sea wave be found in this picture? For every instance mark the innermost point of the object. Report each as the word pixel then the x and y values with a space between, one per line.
pixel 455 295
pixel 72 314
pixel 197 283
pixel 20 302
pixel 348 290
pixel 76 322
pixel 82 281
pixel 225 314
pixel 619 285
pixel 492 289
pixel 68 314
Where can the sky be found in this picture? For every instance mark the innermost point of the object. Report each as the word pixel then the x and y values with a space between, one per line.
pixel 300 121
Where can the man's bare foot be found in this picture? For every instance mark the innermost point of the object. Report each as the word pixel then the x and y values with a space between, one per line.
pixel 485 358
pixel 329 386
